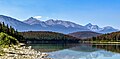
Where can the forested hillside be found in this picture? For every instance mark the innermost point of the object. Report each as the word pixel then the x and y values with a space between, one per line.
pixel 9 36
pixel 48 37
pixel 110 37
pixel 10 31
pixel 84 34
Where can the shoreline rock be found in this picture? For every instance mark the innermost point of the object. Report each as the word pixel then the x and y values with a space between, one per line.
pixel 17 52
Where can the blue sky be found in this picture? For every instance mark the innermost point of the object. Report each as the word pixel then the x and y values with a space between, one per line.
pixel 100 12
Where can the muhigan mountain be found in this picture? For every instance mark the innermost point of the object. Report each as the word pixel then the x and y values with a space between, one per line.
pixel 33 24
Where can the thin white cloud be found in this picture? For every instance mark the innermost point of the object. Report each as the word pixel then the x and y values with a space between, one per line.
pixel 38 17
pixel 49 18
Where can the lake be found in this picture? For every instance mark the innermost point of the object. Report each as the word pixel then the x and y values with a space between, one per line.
pixel 80 51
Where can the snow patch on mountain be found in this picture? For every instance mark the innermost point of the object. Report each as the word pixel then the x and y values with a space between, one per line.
pixel 91 27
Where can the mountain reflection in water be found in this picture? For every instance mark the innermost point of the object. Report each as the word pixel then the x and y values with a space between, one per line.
pixel 79 51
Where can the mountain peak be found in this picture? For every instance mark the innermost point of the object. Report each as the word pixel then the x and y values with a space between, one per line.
pixel 108 29
pixel 32 20
pixel 93 27
pixel 63 23
pixel 89 24
pixel 50 20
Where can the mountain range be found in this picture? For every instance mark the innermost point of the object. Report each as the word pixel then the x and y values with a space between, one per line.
pixel 33 24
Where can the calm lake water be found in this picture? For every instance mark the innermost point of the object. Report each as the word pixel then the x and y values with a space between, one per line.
pixel 80 51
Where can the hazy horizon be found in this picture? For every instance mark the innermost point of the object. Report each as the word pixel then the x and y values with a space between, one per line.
pixel 101 13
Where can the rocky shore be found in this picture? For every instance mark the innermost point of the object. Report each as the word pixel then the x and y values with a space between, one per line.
pixel 18 52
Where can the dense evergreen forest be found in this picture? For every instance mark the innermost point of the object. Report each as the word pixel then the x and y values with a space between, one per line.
pixel 11 31
pixel 9 36
pixel 110 37
pixel 48 37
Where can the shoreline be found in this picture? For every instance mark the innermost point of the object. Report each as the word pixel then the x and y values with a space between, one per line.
pixel 17 52
pixel 95 42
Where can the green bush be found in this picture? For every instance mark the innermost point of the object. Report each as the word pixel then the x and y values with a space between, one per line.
pixel 6 40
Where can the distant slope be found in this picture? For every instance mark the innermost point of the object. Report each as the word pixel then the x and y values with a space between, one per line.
pixel 110 37
pixel 16 24
pixel 50 37
pixel 84 34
